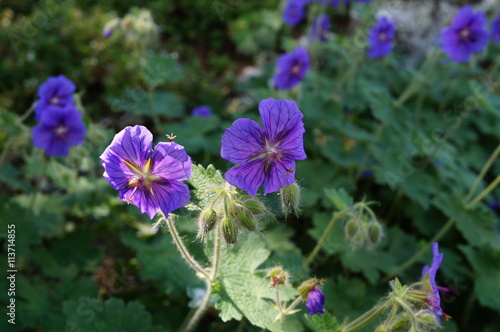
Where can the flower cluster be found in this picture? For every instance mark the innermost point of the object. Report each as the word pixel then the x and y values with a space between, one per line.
pixel 381 38
pixel 60 123
pixel 466 35
pixel 149 179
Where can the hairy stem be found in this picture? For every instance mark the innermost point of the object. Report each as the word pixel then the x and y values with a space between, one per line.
pixel 481 175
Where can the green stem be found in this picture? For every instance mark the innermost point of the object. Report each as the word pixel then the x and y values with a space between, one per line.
pixel 408 309
pixel 367 317
pixel 198 314
pixel 484 193
pixel 154 114
pixel 323 238
pixel 34 195
pixel 369 151
pixel 422 251
pixel 291 306
pixel 485 169
pixel 188 258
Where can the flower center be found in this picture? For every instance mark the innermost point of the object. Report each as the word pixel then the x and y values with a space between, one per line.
pixel 296 69
pixel 465 34
pixel 382 37
pixel 142 179
pixel 54 101
pixel 61 132
pixel 273 153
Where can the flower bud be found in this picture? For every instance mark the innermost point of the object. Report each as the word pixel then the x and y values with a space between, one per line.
pixel 229 230
pixel 382 328
pixel 254 206
pixel 307 286
pixel 374 232
pixel 206 221
pixel 351 228
pixel 290 198
pixel 427 319
pixel 247 221
pixel 278 276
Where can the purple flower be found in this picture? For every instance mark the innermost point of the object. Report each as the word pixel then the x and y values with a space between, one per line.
pixel 315 302
pixel 55 91
pixel 429 280
pixel 495 204
pixel 266 156
pixel 60 128
pixel 381 38
pixel 336 3
pixel 106 33
pixel 294 12
pixel 202 111
pixel 320 26
pixel 465 35
pixel 495 30
pixel 292 68
pixel 149 179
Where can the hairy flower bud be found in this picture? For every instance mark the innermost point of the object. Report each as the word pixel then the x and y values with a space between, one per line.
pixel 290 198
pixel 206 221
pixel 374 232
pixel 247 221
pixel 229 230
pixel 351 228
pixel 254 206
pixel 427 318
pixel 382 328
pixel 278 276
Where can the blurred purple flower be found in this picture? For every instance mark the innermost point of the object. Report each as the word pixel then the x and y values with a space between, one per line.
pixel 60 128
pixel 295 11
pixel 266 156
pixel 381 38
pixel 336 3
pixel 320 26
pixel 429 280
pixel 292 68
pixel 466 35
pixel 495 30
pixel 315 302
pixel 202 111
pixel 106 33
pixel 55 91
pixel 495 204
pixel 149 179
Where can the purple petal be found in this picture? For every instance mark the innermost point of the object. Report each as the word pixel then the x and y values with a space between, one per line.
pixel 315 302
pixel 248 177
pixel 171 161
pixel 283 125
pixel 243 141
pixel 278 175
pixel 463 17
pixel 169 195
pixel 132 144
pixel 141 199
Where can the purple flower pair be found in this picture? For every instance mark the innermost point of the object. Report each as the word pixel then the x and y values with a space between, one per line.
pixel 61 123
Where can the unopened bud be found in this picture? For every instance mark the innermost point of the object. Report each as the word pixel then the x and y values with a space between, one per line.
pixel 351 228
pixel 382 328
pixel 290 198
pixel 427 319
pixel 254 206
pixel 229 230
pixel 307 286
pixel 247 221
pixel 374 232
pixel 206 221
pixel 278 276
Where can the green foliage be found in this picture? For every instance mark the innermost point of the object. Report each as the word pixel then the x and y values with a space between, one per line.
pixel 88 314
pixel 246 292
pixel 323 323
